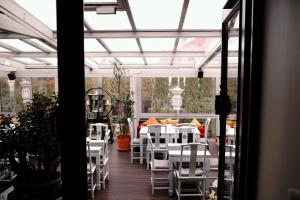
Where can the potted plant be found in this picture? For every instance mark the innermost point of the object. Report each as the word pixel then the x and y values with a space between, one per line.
pixel 123 105
pixel 32 146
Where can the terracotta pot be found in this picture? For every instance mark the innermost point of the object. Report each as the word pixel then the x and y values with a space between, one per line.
pixel 123 142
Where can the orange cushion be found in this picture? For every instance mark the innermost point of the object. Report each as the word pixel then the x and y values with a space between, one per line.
pixel 150 121
pixel 196 123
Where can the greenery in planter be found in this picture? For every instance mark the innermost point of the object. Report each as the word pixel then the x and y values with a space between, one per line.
pixel 32 143
pixel 122 103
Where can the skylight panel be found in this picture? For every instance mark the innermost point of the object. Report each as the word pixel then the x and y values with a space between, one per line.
pixel 233 44
pixel 97 1
pixel 18 44
pixel 156 14
pixel 102 61
pixel 43 44
pixel 157 44
pixel 4 50
pixel 204 14
pixel 92 45
pixel 121 44
pixel 53 61
pixel 196 44
pixel 28 61
pixel 45 11
pixel 158 60
pixel 237 22
pixel 118 21
pixel 90 62
pixel 131 60
pixel 184 61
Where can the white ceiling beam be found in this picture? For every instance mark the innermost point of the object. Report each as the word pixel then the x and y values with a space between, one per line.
pixel 113 54
pixel 180 25
pixel 9 35
pixel 10 25
pixel 26 20
pixel 184 72
pixel 132 23
pixel 36 45
pixel 155 34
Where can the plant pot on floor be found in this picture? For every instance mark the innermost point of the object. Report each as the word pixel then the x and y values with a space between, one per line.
pixel 42 191
pixel 123 142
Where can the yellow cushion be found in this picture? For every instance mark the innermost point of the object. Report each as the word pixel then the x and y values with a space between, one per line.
pixel 231 123
pixel 164 121
pixel 173 121
pixel 196 123
pixel 150 121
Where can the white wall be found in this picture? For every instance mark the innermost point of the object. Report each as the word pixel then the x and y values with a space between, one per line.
pixel 279 163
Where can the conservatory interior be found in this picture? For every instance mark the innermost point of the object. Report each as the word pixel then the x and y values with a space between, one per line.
pixel 148 65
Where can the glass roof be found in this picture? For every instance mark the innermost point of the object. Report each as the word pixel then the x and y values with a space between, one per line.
pixel 197 44
pixel 53 61
pixel 42 44
pixel 18 44
pixel 157 40
pixel 156 14
pixel 118 21
pixel 204 14
pixel 131 60
pixel 157 44
pixel 158 60
pixel 4 50
pixel 92 45
pixel 28 61
pixel 44 10
pixel 102 60
pixel 121 44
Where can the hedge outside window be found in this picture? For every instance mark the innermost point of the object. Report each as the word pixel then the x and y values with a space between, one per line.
pixel 6 104
pixel 43 85
pixel 197 97
pixel 91 83
pixel 232 92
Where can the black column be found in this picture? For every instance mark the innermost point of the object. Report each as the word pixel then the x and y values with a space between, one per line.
pixel 71 123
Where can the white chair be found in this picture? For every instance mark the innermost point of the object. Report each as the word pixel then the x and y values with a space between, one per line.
pixel 134 143
pixel 194 174
pixel 159 169
pixel 104 160
pixel 206 126
pixel 184 134
pixel 91 171
pixel 158 134
pixel 97 131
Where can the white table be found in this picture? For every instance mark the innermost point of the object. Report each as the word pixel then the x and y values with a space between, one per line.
pixel 174 156
pixel 170 131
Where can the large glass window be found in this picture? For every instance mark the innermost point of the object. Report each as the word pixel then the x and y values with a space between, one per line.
pixel 232 92
pixel 44 86
pixel 91 83
pixel 197 97
pixel 110 84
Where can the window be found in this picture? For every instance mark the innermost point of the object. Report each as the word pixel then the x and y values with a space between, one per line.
pixel 43 85
pixel 197 97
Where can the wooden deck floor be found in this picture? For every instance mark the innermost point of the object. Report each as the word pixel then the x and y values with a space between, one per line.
pixel 128 181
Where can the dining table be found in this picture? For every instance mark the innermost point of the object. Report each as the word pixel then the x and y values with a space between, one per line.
pixel 170 132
